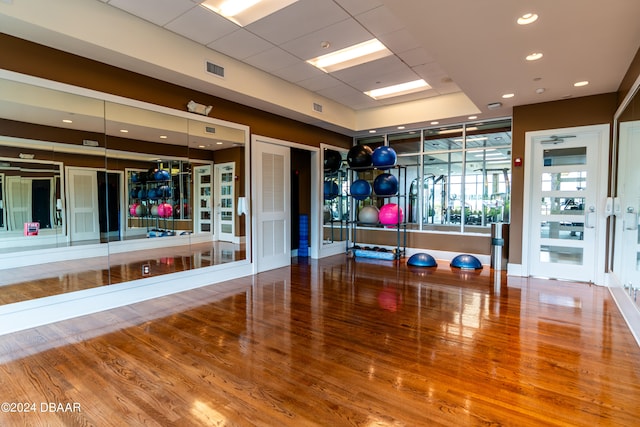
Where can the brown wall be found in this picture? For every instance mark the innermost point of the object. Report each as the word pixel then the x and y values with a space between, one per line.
pixel 590 110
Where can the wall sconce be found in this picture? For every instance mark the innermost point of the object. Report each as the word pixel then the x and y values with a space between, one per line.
pixel 194 107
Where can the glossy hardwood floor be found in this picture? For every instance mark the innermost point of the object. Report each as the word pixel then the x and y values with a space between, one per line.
pixel 335 342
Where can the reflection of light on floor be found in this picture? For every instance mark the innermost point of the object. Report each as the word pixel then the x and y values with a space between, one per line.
pixel 207 415
pixel 560 300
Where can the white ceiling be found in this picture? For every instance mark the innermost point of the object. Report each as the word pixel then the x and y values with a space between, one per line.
pixel 457 46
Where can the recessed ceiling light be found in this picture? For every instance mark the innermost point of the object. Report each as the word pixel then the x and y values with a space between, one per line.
pixel 163 136
pixel 244 12
pixel 527 18
pixel 67 121
pixel 399 89
pixel 580 84
pixel 473 117
pixel 372 131
pixel 201 146
pixel 400 127
pixel 435 123
pixel 351 56
pixel 508 95
pixel 534 56
pixel 124 131
pixel 219 143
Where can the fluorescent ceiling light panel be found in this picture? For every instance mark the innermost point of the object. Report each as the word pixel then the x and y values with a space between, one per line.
pixel 397 90
pixel 244 12
pixel 351 56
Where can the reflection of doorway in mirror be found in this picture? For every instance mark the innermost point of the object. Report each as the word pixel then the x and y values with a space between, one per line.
pixel 203 206
pixel 83 204
pixel 224 199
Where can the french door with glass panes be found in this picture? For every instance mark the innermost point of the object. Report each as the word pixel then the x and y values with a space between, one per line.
pixel 225 190
pixel 565 228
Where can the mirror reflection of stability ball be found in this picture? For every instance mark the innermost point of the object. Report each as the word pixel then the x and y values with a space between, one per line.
pixel 359 156
pixel 385 184
pixel 390 214
pixel 165 210
pixel 331 190
pixel 384 157
pixel 369 215
pixel 332 160
pixel 360 189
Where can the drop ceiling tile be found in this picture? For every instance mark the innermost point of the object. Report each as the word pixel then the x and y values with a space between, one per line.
pixel 437 78
pixel 240 44
pixel 356 7
pixel 380 21
pixel 380 73
pixel 272 59
pixel 297 72
pixel 202 25
pixel 340 35
pixel 341 93
pixel 415 57
pixel 160 12
pixel 398 41
pixel 298 19
pixel 320 82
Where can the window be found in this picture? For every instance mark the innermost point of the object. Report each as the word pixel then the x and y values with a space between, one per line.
pixel 458 176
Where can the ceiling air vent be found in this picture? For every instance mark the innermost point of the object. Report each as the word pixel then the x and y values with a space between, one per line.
pixel 317 107
pixel 215 69
pixel 210 129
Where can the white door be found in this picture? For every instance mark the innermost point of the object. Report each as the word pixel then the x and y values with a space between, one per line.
pixel 84 221
pixel 18 202
pixel 566 224
pixel 204 200
pixel 627 253
pixel 225 206
pixel 271 184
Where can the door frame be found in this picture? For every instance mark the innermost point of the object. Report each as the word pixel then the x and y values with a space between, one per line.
pixel 316 183
pixel 603 132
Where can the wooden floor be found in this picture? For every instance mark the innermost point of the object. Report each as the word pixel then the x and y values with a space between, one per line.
pixel 335 342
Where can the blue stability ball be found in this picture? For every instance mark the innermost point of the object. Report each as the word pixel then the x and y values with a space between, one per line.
pixel 421 259
pixel 359 156
pixel 466 262
pixel 384 157
pixel 360 189
pixel 164 191
pixel 331 190
pixel 385 185
pixel 153 194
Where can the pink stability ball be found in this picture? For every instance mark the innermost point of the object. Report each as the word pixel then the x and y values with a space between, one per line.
pixel 390 214
pixel 165 210
pixel 132 209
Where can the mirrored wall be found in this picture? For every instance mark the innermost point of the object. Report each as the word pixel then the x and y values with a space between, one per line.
pixel 335 189
pixel 97 190
pixel 626 206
